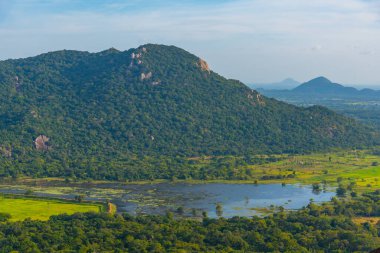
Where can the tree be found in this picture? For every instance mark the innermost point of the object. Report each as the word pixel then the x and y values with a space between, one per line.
pixel 4 217
pixel 316 188
pixel 219 209
pixel 180 210
pixel 28 192
pixel 79 198
pixel 341 191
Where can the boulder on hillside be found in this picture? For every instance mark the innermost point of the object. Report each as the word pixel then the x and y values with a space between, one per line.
pixel 203 65
pixel 41 142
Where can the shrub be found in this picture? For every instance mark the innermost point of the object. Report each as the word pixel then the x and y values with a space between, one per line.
pixel 4 217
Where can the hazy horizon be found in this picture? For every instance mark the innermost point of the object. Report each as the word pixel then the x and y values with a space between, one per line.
pixel 358 86
pixel 253 41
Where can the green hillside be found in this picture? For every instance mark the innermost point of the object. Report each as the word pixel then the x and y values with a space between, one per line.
pixel 99 115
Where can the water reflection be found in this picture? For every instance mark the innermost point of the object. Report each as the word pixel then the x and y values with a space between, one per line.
pixel 213 200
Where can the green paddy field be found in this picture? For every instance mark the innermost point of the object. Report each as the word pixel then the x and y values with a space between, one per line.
pixel 42 209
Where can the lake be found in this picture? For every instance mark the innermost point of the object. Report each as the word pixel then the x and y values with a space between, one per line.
pixel 235 199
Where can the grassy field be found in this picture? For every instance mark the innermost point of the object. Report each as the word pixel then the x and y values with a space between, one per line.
pixel 41 209
pixel 360 167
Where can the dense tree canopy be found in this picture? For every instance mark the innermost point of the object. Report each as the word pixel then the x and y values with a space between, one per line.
pixel 316 228
pixel 97 114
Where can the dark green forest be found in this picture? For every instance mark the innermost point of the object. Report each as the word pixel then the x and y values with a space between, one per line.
pixel 138 114
pixel 315 228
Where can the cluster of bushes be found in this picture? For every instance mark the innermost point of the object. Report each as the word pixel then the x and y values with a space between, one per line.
pixel 142 168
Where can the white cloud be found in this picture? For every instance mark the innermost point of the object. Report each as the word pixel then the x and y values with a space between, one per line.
pixel 273 36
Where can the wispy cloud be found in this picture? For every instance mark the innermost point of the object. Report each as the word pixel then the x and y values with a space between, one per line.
pixel 255 33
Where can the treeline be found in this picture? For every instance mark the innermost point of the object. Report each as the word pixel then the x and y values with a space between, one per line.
pixel 138 168
pixel 315 228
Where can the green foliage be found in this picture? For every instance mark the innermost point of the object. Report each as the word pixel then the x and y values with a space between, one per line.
pixel 316 188
pixel 4 217
pixel 219 209
pixel 104 122
pixel 341 191
pixel 316 228
pixel 180 210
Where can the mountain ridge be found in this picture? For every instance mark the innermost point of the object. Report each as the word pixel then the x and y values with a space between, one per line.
pixel 323 85
pixel 288 83
pixel 103 112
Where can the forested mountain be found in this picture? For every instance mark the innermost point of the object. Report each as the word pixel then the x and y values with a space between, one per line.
pixel 71 113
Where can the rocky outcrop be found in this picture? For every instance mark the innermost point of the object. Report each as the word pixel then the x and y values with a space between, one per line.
pixel 146 76
pixel 6 151
pixel 41 142
pixel 136 57
pixel 17 84
pixel 34 114
pixel 260 99
pixel 137 62
pixel 203 65
pixel 256 98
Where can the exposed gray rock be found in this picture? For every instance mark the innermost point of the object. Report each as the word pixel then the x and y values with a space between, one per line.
pixel 41 142
pixel 34 114
pixel 144 76
pixel 17 84
pixel 6 151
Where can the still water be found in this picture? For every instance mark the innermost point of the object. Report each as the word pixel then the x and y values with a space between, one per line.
pixel 235 199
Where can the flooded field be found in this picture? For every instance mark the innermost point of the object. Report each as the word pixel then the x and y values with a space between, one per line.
pixel 183 198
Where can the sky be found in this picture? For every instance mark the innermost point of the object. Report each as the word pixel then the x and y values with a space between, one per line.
pixel 255 41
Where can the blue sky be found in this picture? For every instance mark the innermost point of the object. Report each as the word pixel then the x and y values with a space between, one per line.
pixel 250 40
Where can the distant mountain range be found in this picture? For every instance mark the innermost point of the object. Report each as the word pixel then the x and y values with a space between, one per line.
pixel 288 83
pixel 363 104
pixel 323 87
